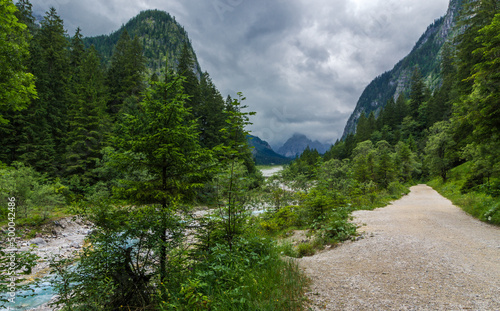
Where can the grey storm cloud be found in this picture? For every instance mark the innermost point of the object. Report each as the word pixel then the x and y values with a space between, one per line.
pixel 301 64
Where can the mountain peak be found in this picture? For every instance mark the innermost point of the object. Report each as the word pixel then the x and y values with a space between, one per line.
pixel 161 36
pixel 296 144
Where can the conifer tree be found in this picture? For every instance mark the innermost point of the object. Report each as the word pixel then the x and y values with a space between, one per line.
pixel 212 117
pixel 417 93
pixel 475 15
pixel 191 84
pixel 124 78
pixel 362 132
pixel 44 123
pixel 88 121
pixel 401 109
pixel 160 151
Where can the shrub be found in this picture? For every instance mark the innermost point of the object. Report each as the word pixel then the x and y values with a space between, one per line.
pixel 395 189
pixel 305 249
pixel 284 218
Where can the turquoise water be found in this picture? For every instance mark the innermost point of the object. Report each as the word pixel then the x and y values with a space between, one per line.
pixel 42 293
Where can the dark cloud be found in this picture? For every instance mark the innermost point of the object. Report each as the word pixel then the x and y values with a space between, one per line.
pixel 301 64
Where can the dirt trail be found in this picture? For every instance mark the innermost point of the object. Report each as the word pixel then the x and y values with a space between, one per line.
pixel 419 253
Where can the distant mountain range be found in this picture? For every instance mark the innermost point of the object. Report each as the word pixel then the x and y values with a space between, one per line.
pixel 264 154
pixel 426 55
pixel 296 144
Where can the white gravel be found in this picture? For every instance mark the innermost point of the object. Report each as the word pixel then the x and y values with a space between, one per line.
pixel 419 253
pixel 271 171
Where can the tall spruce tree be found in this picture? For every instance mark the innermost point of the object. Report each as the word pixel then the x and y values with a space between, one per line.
pixel 475 15
pixel 159 149
pixel 212 118
pixel 191 83
pixel 125 77
pixel 417 93
pixel 88 122
pixel 44 123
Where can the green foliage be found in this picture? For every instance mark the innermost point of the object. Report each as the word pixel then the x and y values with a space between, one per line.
pixel 17 86
pixel 284 218
pixel 88 122
pixel 124 77
pixel 305 249
pixel 235 173
pixel 34 194
pixel 439 149
pixel 14 264
pixel 246 277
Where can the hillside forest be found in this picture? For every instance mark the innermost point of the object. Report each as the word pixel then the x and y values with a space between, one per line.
pixel 126 132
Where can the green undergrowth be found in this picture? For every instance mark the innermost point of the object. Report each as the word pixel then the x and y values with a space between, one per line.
pixel 250 275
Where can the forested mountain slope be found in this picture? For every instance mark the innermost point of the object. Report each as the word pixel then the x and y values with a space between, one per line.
pixel 161 37
pixel 426 55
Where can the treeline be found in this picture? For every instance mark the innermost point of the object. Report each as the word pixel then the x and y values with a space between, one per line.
pixel 438 134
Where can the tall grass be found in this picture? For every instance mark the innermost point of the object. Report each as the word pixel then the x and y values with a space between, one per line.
pixel 250 275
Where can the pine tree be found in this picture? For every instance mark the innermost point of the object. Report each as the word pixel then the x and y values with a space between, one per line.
pixel 417 94
pixel 124 78
pixel 440 104
pixel 25 15
pixel 401 109
pixel 44 123
pixel 191 83
pixel 160 151
pixel 475 15
pixel 212 117
pixel 88 121
pixel 362 129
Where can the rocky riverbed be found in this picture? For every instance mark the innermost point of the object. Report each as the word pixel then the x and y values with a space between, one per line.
pixel 63 237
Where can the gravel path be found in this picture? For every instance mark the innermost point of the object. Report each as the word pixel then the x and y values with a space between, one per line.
pixel 419 253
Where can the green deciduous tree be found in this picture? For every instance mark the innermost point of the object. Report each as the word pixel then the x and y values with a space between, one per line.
pixel 440 154
pixel 235 177
pixel 17 86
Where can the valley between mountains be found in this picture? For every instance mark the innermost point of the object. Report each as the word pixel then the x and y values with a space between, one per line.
pixel 419 253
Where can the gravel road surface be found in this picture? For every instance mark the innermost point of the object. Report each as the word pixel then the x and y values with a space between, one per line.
pixel 419 253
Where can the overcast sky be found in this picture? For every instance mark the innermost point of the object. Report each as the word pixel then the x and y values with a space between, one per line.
pixel 301 64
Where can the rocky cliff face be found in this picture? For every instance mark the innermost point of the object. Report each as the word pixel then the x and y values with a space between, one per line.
pixel 426 55
pixel 295 145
